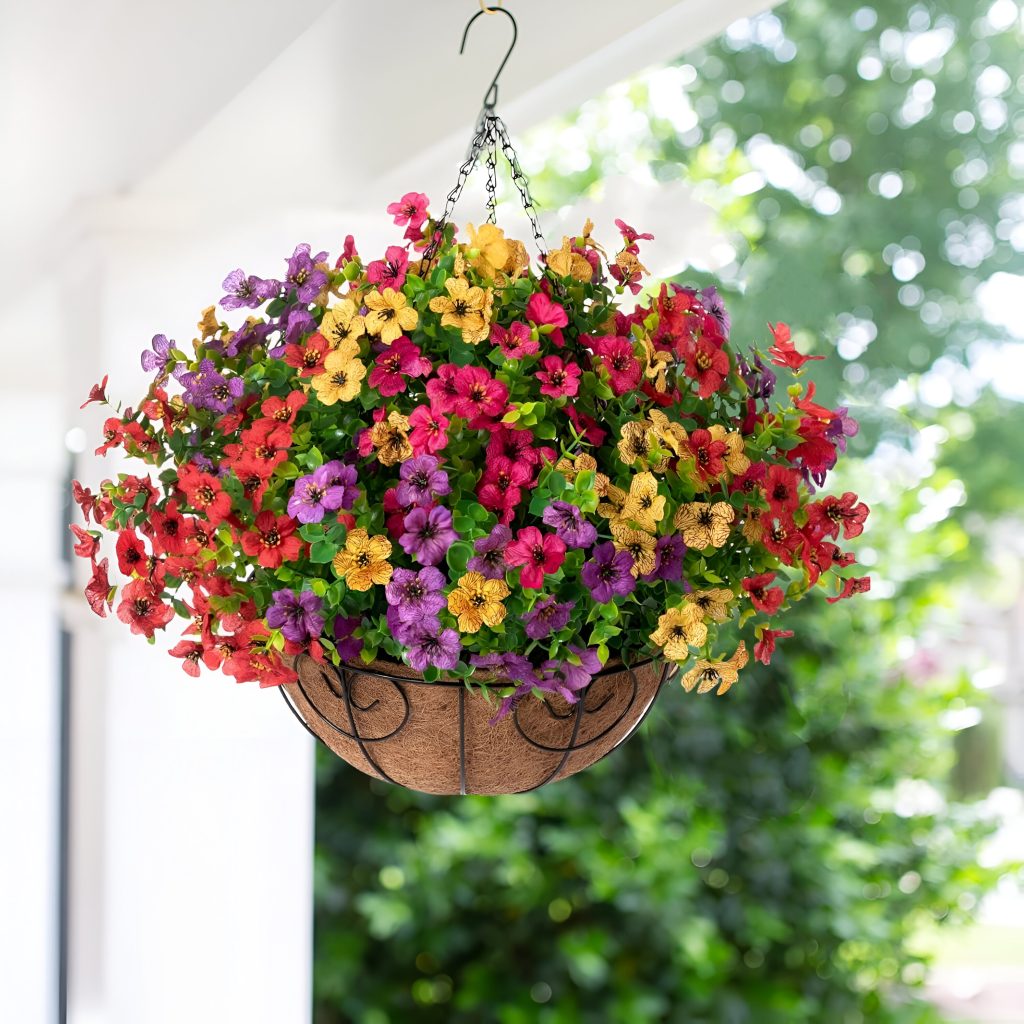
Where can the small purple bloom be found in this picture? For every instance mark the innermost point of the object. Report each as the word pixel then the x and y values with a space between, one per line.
pixel 303 274
pixel 566 678
pixel 315 495
pixel 297 616
pixel 342 476
pixel 348 646
pixel 428 534
pixel 608 573
pixel 569 524
pixel 253 332
pixel 205 388
pixel 712 302
pixel 156 361
pixel 546 617
pixel 489 559
pixel 841 427
pixel 511 667
pixel 206 464
pixel 249 292
pixel 433 646
pixel 668 559
pixel 758 377
pixel 421 481
pixel 416 595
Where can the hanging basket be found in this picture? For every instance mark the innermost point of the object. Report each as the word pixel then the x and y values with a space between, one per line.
pixel 437 737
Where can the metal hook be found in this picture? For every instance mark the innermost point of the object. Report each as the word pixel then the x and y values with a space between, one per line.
pixel 491 97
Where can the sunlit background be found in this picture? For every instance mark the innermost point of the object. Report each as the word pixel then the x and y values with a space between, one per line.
pixel 840 839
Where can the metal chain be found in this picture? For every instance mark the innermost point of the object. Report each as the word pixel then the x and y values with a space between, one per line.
pixel 491 132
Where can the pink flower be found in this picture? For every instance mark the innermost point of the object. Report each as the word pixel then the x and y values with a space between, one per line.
pixel 543 312
pixel 619 359
pixel 538 554
pixel 481 398
pixel 411 209
pixel 443 390
pixel 557 379
pixel 500 489
pixel 400 360
pixel 515 342
pixel 765 647
pixel 390 271
pixel 348 253
pixel 429 432
pixel 631 236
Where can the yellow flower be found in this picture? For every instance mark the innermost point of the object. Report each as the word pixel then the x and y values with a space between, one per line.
pixel 671 436
pixel 465 307
pixel 735 458
pixel 208 325
pixel 636 442
pixel 342 376
pixel 518 261
pixel 567 263
pixel 706 675
pixel 342 323
pixel 639 544
pixel 657 365
pixel 753 528
pixel 629 264
pixel 678 630
pixel 493 247
pixel 477 602
pixel 363 560
pixel 389 315
pixel 705 525
pixel 644 506
pixel 390 438
pixel 712 603
pixel 614 498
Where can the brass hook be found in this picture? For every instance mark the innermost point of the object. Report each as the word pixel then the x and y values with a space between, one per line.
pixel 491 97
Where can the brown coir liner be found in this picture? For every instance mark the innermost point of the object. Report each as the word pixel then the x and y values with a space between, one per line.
pixel 422 752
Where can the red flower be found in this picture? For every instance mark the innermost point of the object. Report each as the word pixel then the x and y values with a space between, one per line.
pixel 113 435
pixel 84 499
pixel 132 557
pixel 481 397
pixel 88 545
pixel 780 537
pixel 266 442
pixel 825 517
pixel 429 432
pixel 97 591
pixel 390 271
pixel 250 476
pixel 585 425
pixel 765 646
pixel 308 358
pixel 169 532
pixel 142 609
pixel 750 480
pixel 851 586
pixel 706 363
pixel 707 454
pixel 204 493
pixel 97 393
pixel 252 661
pixel 538 554
pixel 500 488
pixel 558 379
pixel 190 652
pixel 272 540
pixel 631 236
pixel 783 352
pixel 443 390
pixel 781 488
pixel 619 359
pixel 812 408
pixel 348 253
pixel 399 360
pixel 765 600
pixel 395 513
pixel 816 453
pixel 283 410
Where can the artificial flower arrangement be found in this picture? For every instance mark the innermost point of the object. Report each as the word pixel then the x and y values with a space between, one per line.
pixel 484 469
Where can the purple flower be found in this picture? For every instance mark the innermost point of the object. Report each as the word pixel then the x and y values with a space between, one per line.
pixel 489 559
pixel 348 646
pixel 570 525
pixel 712 302
pixel 252 332
pixel 421 481
pixel 317 494
pixel 428 534
pixel 668 559
pixel 297 616
pixel 206 464
pixel 841 427
pixel 432 646
pixel 205 388
pixel 157 359
pixel 757 376
pixel 343 476
pixel 609 572
pixel 416 596
pixel 405 632
pixel 546 617
pixel 514 668
pixel 566 678
pixel 303 274
pixel 247 291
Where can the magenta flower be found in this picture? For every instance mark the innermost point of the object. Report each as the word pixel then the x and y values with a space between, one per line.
pixel 411 209
pixel 537 553
pixel 608 573
pixel 489 559
pixel 348 646
pixel 399 360
pixel 422 481
pixel 570 525
pixel 543 312
pixel 390 271
pixel 546 617
pixel 428 534
pixel 620 360
pixel 298 617
pixel 429 430
pixel 248 292
pixel 516 342
pixel 443 389
pixel 558 379
pixel 481 398
pixel 416 596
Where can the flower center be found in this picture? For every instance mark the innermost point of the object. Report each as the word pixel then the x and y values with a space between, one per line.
pixel 272 538
pixel 703 361
pixel 478 600
pixel 339 378
pixel 363 559
pixel 705 518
